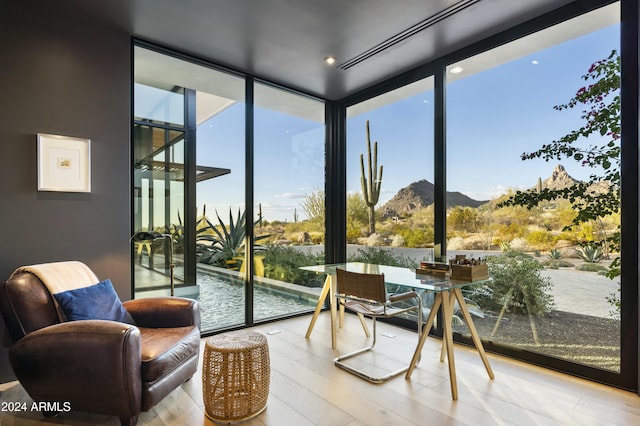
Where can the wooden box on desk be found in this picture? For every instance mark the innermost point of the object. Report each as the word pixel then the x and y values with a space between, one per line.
pixel 469 272
pixel 433 268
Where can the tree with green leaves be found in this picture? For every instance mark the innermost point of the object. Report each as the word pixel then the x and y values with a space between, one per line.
pixel 600 100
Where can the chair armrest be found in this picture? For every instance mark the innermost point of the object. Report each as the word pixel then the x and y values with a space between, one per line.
pixel 94 365
pixel 164 312
pixel 402 296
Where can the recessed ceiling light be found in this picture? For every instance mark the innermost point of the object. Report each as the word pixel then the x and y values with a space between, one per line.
pixel 456 70
pixel 330 60
pixel 535 62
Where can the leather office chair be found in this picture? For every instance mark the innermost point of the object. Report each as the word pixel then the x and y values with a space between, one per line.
pixel 366 294
pixel 99 366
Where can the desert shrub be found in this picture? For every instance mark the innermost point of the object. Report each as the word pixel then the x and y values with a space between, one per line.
pixel 417 237
pixel 375 240
pixel 314 208
pixel 585 231
pixel 508 231
pixel 397 241
pixel 456 243
pixel 381 256
pixel 591 267
pixel 283 263
pixel 354 231
pixel 519 244
pixel 614 300
pixel 517 285
pixel 463 219
pixel 357 210
pixel 540 239
pixel 317 237
pixel 556 263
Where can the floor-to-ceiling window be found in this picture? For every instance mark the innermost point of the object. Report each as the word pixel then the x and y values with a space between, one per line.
pixel 512 126
pixel 390 176
pixel 220 147
pixel 159 131
pixel 500 113
pixel 191 174
pixel 288 177
pixel 189 183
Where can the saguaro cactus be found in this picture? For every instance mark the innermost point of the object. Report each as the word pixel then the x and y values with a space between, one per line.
pixel 371 182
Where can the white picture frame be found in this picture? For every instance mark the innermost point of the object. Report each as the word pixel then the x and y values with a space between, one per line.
pixel 64 163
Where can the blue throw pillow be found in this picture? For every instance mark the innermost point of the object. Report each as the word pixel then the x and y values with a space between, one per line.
pixel 99 301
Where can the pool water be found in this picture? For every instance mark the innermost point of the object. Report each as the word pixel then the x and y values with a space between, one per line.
pixel 222 302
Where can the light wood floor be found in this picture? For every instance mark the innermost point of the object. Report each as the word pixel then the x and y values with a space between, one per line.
pixel 307 389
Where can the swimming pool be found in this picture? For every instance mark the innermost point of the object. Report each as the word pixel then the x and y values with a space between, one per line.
pixel 222 298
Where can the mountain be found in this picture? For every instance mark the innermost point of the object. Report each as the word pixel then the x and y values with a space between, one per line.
pixel 559 179
pixel 419 195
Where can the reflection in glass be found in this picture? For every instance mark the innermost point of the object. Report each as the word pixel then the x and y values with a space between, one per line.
pixel 289 201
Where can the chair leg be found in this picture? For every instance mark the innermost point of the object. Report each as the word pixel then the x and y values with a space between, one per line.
pixel 373 379
pixel 128 421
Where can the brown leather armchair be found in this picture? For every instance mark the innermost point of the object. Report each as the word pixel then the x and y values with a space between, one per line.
pixel 99 366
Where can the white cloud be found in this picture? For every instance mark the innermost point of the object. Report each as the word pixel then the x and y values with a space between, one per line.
pixel 289 195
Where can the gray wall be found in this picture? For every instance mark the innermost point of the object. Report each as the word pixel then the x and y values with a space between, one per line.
pixel 62 76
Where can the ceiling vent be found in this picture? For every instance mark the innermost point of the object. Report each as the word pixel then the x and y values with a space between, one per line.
pixel 409 32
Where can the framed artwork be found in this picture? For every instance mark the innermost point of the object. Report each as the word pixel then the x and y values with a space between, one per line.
pixel 64 163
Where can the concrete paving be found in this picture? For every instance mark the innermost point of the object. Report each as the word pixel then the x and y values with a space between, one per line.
pixel 582 292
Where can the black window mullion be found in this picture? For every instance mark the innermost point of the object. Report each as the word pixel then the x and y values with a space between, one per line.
pixel 249 159
pixel 190 208
pixel 335 183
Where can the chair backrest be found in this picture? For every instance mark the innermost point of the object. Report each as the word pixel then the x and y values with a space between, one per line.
pixel 26 305
pixel 26 300
pixel 361 285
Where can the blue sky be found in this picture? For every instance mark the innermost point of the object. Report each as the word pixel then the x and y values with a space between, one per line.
pixel 493 117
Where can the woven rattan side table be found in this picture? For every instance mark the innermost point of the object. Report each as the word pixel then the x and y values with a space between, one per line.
pixel 235 376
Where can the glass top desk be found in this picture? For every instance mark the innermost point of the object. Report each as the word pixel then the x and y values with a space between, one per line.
pixel 447 292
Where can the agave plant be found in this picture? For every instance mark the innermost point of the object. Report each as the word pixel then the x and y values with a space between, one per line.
pixel 555 254
pixel 226 243
pixel 177 232
pixel 590 253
